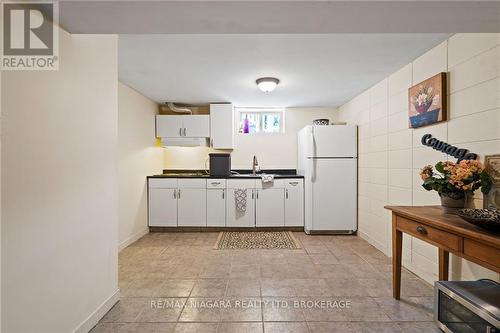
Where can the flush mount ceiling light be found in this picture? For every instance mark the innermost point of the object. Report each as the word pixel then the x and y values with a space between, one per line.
pixel 267 84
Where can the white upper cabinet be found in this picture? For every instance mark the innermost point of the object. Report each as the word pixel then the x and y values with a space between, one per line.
pixel 222 126
pixel 168 126
pixel 196 126
pixel 177 126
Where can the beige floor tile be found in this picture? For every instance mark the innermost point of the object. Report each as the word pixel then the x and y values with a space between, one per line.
pixel 403 310
pixel 209 288
pixel 141 288
pixel 365 309
pixel 195 328
pixel 240 328
pixel 363 271
pixel 345 287
pixel 175 288
pixel 216 271
pixel 311 287
pixel 377 327
pixel 330 327
pixel 242 309
pixel 324 259
pixel 336 271
pixel 243 287
pixel 419 327
pixel 376 287
pixel 126 310
pixel 345 267
pixel 162 310
pixel 277 287
pixel 133 328
pixel 285 328
pixel 281 309
pixel 415 287
pixel 322 309
pixel 277 271
pixel 201 310
pixel 245 271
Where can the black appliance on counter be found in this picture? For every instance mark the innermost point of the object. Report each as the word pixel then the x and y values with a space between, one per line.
pixel 220 164
pixel 467 306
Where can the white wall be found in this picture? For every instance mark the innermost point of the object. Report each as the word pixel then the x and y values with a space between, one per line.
pixel 59 189
pixel 391 155
pixel 272 150
pixel 137 158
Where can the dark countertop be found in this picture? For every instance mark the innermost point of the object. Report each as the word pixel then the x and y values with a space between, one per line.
pixel 278 173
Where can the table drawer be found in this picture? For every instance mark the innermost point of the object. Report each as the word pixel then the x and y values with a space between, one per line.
pixel 430 234
pixel 483 252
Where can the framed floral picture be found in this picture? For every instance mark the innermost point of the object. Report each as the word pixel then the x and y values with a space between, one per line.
pixel 427 102
pixel 492 167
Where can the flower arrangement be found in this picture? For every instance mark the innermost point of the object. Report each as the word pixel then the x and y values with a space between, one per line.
pixel 455 180
pixel 424 98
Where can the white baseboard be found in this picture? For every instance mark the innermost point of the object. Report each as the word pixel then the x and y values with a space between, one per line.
pixel 132 238
pixel 94 318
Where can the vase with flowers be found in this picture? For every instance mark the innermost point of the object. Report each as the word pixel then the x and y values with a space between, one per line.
pixel 454 182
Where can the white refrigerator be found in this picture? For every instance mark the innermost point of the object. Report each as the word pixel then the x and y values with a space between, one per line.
pixel 328 160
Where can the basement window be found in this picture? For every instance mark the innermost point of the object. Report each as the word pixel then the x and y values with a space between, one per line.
pixel 260 120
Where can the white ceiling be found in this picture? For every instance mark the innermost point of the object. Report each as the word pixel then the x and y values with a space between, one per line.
pixel 314 69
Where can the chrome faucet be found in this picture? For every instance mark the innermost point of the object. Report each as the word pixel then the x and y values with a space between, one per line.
pixel 255 165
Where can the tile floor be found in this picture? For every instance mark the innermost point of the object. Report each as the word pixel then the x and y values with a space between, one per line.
pixel 177 282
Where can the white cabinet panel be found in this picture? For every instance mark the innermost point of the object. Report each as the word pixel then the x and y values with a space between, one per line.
pixel 222 126
pixel 192 209
pixel 192 183
pixel 216 208
pixel 196 126
pixel 270 207
pixel 162 207
pixel 168 126
pixel 236 218
pixel 294 203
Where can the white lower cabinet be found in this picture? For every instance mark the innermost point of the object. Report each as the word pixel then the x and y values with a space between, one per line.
pixel 212 203
pixel 270 207
pixel 216 207
pixel 294 203
pixel 235 217
pixel 192 207
pixel 162 202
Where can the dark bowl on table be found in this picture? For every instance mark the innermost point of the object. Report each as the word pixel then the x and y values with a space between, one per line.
pixel 483 218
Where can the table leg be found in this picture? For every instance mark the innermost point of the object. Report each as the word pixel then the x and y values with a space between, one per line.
pixel 444 262
pixel 397 248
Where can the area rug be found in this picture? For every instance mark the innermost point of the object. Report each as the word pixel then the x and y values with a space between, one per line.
pixel 233 240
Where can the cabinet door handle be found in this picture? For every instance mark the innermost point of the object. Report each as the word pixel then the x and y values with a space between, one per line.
pixel 257 194
pixel 223 194
pixel 180 131
pixel 185 132
pixel 179 193
pixel 175 194
pixel 422 230
pixel 293 183
pixel 286 193
pixel 215 183
pixel 252 194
